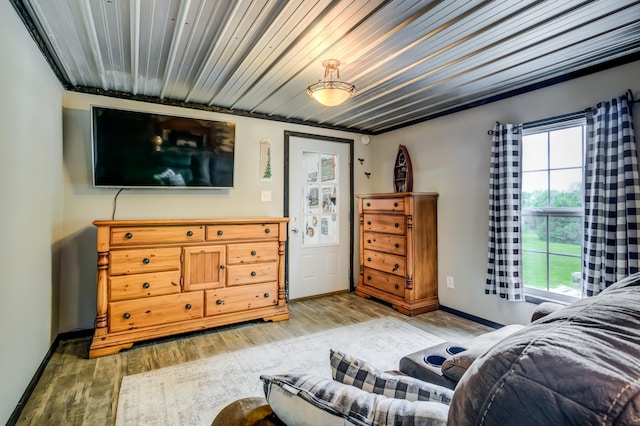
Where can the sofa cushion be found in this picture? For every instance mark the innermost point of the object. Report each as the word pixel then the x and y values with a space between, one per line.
pixel 356 372
pixel 300 400
pixel 456 365
pixel 578 365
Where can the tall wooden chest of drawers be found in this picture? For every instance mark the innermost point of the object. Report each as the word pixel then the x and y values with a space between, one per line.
pixel 399 251
pixel 162 277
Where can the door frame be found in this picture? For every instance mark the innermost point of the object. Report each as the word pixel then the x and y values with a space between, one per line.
pixel 288 134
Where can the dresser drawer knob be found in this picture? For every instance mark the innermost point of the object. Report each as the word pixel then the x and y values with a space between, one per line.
pixel 126 315
pixel 221 266
pixel 187 306
pixel 395 204
pixel 368 222
pixel 396 245
pixel 128 236
pixel 368 259
pixel 368 277
pixel 146 260
pixel 266 295
pixel 267 231
pixel 396 266
pixel 253 273
pixel 368 204
pixel 369 241
pixel 396 225
pixel 253 253
pixel 220 233
pixel 189 233
pixel 219 302
pixel 146 285
pixel 396 286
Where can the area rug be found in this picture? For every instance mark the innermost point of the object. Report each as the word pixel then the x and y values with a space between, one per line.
pixel 194 393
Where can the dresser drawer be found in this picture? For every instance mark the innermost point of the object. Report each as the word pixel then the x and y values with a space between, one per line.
pixel 143 285
pixel 144 260
pixel 242 232
pixel 132 314
pixel 391 223
pixel 226 300
pixel 130 236
pixel 385 262
pixel 383 204
pixel 395 244
pixel 252 253
pixel 386 282
pixel 252 273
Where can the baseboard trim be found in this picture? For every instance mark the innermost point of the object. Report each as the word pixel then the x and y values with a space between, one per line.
pixel 472 317
pixel 15 415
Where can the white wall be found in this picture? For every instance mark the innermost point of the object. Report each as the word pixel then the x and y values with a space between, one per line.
pixel 83 203
pixel 450 155
pixel 31 213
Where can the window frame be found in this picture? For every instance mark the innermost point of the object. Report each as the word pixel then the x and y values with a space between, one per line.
pixel 547 126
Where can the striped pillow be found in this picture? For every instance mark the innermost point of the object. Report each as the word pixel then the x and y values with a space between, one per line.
pixel 303 400
pixel 355 372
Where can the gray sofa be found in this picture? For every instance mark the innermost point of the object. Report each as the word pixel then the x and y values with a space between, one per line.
pixel 577 365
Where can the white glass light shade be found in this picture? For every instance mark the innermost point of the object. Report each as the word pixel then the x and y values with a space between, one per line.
pixel 330 92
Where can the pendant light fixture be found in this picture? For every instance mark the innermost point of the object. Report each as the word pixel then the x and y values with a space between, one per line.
pixel 331 92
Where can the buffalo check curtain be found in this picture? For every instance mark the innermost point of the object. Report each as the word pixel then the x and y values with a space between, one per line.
pixel 611 197
pixel 504 265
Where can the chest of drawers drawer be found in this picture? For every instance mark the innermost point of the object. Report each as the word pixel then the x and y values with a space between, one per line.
pixel 134 314
pixel 227 300
pixel 389 283
pixel 239 232
pixel 252 253
pixel 131 236
pixel 385 262
pixel 253 273
pixel 389 243
pixel 392 224
pixel 383 204
pixel 136 261
pixel 124 287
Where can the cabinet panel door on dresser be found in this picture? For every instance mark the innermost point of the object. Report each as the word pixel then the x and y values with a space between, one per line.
pixel 163 277
pixel 398 250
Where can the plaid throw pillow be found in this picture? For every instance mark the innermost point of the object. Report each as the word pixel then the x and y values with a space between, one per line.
pixel 355 372
pixel 305 400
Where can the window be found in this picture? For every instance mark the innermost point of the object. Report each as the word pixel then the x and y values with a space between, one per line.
pixel 552 208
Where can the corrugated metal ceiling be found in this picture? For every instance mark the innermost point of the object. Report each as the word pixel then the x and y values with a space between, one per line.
pixel 410 60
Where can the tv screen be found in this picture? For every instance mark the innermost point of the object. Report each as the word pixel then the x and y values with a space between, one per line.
pixel 133 149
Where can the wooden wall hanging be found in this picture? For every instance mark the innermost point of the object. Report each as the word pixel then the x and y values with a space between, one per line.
pixel 402 171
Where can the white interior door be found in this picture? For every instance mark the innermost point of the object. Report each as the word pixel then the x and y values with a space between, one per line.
pixel 319 249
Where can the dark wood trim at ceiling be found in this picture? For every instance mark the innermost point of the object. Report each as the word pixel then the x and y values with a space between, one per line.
pixel 59 72
pixel 210 108
pixel 49 56
pixel 530 88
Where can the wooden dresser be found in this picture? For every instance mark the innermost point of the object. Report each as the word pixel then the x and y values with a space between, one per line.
pixel 399 251
pixel 163 277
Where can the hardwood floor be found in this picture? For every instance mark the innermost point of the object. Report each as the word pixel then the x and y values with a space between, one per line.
pixel 75 390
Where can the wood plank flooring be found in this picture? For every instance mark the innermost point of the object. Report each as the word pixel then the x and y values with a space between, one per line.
pixel 75 390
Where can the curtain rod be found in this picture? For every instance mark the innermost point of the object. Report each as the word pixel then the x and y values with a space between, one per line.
pixel 565 117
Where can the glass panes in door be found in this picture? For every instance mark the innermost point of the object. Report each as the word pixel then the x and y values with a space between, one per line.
pixel 320 198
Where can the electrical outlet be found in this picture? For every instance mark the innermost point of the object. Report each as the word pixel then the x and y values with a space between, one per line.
pixel 265 196
pixel 449 282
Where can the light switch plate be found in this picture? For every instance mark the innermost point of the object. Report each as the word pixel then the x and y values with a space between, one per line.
pixel 265 196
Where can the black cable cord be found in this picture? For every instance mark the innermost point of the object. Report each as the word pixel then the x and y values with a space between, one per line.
pixel 115 202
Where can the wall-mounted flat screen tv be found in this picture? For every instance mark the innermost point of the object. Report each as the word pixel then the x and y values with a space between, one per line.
pixel 134 149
